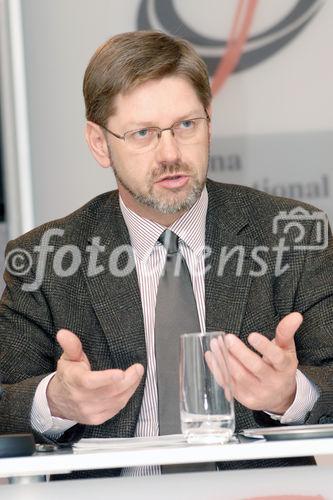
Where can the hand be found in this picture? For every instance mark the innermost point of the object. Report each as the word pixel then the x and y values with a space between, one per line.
pixel 77 393
pixel 264 381
pixel 216 361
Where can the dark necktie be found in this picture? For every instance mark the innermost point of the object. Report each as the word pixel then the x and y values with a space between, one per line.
pixel 176 313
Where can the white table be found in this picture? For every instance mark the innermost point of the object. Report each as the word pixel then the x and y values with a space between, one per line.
pixel 226 485
pixel 65 462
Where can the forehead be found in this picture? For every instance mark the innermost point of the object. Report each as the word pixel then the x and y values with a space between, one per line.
pixel 157 101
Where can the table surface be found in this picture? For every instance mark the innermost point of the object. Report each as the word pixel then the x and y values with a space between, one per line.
pixel 317 482
pixel 64 462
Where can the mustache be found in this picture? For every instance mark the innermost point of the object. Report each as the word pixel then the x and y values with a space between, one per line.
pixel 170 169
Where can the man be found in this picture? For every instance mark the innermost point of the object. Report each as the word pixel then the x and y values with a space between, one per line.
pixel 78 348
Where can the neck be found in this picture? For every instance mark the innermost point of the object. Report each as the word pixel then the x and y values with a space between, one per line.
pixel 148 212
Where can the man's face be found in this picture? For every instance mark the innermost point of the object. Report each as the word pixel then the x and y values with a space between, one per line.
pixel 164 182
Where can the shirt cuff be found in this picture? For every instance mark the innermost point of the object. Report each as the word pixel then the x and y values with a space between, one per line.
pixel 305 399
pixel 41 419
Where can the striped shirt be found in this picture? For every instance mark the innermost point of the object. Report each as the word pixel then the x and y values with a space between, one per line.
pixel 150 256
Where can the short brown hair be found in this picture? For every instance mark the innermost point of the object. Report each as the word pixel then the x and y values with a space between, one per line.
pixel 130 59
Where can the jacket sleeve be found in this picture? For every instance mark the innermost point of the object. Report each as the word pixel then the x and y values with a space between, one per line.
pixel 28 350
pixel 314 340
pixel 307 287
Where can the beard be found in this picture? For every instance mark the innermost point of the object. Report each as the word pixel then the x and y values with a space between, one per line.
pixel 166 204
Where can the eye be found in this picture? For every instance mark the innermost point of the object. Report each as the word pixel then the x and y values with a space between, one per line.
pixel 143 133
pixel 186 124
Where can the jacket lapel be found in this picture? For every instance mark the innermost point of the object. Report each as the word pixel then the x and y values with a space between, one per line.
pixel 114 291
pixel 227 286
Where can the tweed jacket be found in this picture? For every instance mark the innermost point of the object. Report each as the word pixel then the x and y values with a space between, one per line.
pixel 104 309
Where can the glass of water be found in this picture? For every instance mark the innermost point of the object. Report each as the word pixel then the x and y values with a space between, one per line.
pixel 206 403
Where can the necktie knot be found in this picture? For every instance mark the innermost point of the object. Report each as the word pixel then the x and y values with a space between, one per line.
pixel 169 240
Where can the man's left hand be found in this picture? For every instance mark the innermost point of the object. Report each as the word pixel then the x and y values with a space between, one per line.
pixel 264 381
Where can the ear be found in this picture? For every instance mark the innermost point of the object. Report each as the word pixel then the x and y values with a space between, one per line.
pixel 96 140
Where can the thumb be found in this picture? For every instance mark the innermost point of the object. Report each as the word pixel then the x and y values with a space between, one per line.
pixel 71 345
pixel 286 329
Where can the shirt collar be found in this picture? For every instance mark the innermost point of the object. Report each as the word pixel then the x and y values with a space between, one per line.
pixel 190 228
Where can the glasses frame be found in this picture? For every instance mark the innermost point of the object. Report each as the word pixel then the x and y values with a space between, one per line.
pixel 159 130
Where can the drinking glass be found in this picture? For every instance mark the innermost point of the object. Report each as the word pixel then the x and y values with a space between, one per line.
pixel 206 402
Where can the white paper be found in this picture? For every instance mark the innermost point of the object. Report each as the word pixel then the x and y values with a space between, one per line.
pixel 128 443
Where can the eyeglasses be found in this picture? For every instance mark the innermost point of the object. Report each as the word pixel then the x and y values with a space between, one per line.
pixel 145 139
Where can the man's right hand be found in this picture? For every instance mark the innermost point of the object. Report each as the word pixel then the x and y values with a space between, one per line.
pixel 89 397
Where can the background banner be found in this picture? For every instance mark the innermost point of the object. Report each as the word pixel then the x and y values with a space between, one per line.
pixel 271 74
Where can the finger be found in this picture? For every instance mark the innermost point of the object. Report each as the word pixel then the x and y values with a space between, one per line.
pixel 251 361
pixel 286 330
pixel 241 380
pixel 271 352
pixel 220 376
pixel 117 392
pixel 220 352
pixel 118 380
pixel 214 367
pixel 71 345
pixel 129 381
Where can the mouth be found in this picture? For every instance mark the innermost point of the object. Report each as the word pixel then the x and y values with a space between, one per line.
pixel 173 181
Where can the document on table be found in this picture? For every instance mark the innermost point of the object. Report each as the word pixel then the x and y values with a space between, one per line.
pixel 124 444
pixel 92 444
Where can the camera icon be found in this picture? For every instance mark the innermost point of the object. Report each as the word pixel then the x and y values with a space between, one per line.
pixel 296 218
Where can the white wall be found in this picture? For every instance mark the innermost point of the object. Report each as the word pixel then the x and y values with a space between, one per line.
pixel 59 38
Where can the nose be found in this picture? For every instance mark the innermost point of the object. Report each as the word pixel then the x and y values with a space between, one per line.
pixel 167 149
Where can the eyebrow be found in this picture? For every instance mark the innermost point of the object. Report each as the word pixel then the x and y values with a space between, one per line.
pixel 192 113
